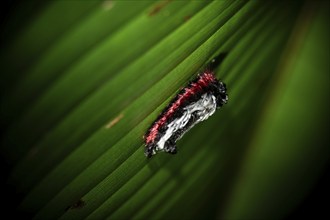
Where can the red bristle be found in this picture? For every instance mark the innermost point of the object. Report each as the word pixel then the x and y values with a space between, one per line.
pixel 205 79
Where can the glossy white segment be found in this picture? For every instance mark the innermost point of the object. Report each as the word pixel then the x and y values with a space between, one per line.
pixel 203 108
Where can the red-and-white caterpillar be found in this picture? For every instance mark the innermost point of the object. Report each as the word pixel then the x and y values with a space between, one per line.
pixel 193 104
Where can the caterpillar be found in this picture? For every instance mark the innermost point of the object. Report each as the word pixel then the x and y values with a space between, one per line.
pixel 194 103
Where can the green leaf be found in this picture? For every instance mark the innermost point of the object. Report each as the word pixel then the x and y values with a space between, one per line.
pixel 94 84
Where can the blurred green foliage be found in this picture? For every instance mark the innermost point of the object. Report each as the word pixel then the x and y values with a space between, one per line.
pixel 83 80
